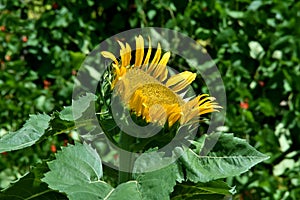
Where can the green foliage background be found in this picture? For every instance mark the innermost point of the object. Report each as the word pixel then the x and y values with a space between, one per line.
pixel 255 44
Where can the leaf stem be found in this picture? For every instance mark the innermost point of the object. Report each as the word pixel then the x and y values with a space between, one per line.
pixel 38 194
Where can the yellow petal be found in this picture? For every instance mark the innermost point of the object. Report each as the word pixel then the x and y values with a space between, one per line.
pixel 155 59
pixel 180 81
pixel 146 114
pixel 158 114
pixel 174 113
pixel 109 55
pixel 146 61
pixel 135 102
pixel 127 55
pixel 117 70
pixel 122 53
pixel 174 118
pixel 191 104
pixel 161 70
pixel 123 71
pixel 205 111
pixel 139 53
pixel 201 102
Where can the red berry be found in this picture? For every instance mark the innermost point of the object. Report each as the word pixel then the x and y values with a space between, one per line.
pixel 53 148
pixel 46 84
pixel 2 28
pixel 24 38
pixel 55 6
pixel 7 57
pixel 74 72
pixel 244 105
pixel 4 153
pixel 261 83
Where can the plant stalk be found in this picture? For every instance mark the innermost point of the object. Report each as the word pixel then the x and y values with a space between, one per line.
pixel 126 157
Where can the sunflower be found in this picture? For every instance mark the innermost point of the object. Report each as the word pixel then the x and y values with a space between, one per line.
pixel 148 90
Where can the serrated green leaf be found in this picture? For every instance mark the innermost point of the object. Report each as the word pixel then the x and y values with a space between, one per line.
pixel 66 114
pixel 128 190
pixel 33 129
pixel 230 156
pixel 30 187
pixel 79 106
pixel 156 184
pixel 77 171
pixel 188 190
pixel 94 190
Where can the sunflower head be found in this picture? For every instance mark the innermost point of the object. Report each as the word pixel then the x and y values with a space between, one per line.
pixel 148 90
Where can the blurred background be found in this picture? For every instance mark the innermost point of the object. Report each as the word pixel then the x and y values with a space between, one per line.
pixel 255 44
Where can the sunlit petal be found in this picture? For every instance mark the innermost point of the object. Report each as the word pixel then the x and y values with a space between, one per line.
pixel 127 55
pixel 161 71
pixel 180 81
pixel 139 54
pixel 146 61
pixel 155 59
pixel 109 55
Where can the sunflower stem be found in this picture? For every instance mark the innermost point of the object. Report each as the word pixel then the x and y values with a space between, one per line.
pixel 126 159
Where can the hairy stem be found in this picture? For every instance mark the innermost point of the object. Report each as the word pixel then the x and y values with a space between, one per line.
pixel 126 159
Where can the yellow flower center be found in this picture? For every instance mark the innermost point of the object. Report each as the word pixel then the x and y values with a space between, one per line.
pixel 157 103
pixel 149 98
pixel 159 94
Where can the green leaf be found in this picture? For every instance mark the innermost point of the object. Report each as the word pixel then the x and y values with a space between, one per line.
pixel 76 59
pixel 66 114
pixel 218 187
pixel 199 144
pixel 235 14
pixel 230 156
pixel 79 106
pixel 33 129
pixel 31 187
pixel 210 190
pixel 77 171
pixel 128 190
pixel 254 5
pixel 266 107
pixel 151 14
pixel 156 184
